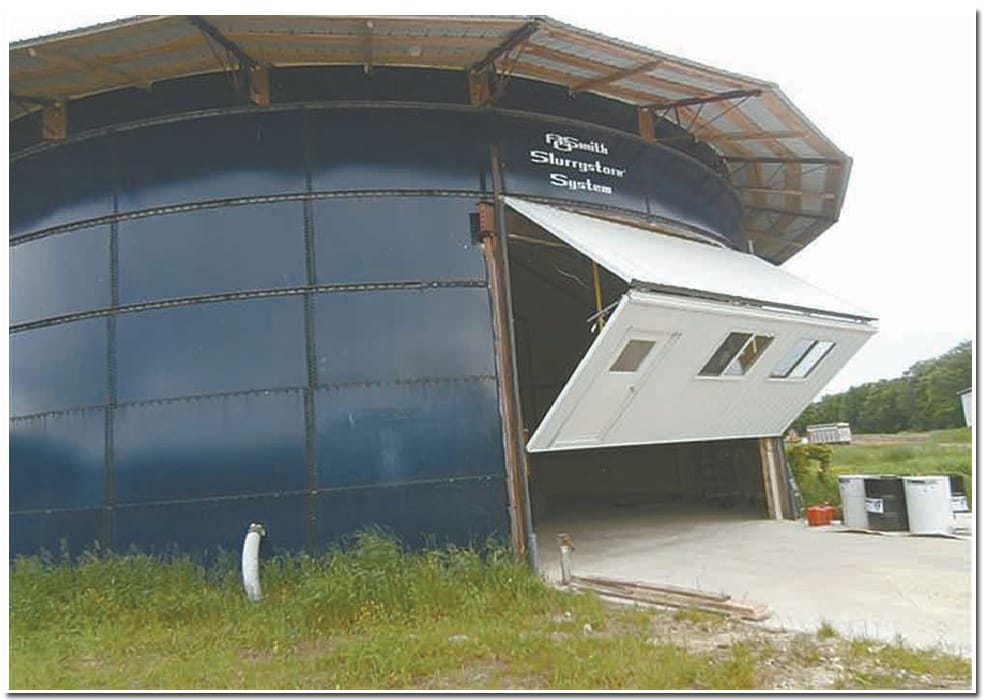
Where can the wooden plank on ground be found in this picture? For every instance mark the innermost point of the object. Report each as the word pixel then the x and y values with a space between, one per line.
pixel 657 596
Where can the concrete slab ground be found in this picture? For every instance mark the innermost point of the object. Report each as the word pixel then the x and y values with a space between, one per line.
pixel 862 584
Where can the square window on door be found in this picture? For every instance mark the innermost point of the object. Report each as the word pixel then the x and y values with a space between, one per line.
pixel 632 356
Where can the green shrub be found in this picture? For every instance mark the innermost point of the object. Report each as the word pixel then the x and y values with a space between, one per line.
pixel 811 465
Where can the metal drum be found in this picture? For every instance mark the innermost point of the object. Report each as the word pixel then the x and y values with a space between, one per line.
pixel 852 491
pixel 929 505
pixel 885 507
pixel 960 504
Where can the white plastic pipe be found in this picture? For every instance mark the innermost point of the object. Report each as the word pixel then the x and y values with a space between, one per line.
pixel 249 561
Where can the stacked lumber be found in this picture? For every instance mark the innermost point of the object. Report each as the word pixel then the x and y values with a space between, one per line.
pixel 671 596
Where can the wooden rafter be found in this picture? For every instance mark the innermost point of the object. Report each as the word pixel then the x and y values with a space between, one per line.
pixel 800 161
pixel 703 100
pixel 514 40
pixel 586 85
pixel 796 193
pixel 114 74
pixel 245 60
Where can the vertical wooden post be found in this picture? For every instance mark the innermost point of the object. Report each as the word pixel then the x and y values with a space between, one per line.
pixel 54 122
pixel 771 485
pixel 598 294
pixel 480 87
pixel 259 88
pixel 647 127
pixel 515 457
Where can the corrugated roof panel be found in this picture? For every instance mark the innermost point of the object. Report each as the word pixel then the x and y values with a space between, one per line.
pixel 755 111
pixel 802 149
pixel 697 82
pixel 558 65
pixel 661 93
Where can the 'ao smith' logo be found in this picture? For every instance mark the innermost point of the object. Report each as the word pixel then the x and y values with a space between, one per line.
pixel 570 143
pixel 587 168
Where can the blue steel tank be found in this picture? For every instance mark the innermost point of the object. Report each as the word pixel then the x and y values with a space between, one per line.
pixel 233 314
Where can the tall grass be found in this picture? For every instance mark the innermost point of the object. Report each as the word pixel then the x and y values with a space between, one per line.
pixel 366 615
pixel 370 615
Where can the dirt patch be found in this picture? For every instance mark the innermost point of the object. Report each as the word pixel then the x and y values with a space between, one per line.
pixel 788 660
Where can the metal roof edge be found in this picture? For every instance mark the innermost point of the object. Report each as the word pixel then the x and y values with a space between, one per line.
pixel 605 38
pixel 83 31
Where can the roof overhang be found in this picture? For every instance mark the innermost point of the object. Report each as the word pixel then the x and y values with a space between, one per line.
pixel 790 177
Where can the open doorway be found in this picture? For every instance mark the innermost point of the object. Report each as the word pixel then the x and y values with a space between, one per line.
pixel 657 371
pixel 559 308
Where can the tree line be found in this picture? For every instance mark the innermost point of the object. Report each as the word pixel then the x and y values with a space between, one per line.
pixel 925 397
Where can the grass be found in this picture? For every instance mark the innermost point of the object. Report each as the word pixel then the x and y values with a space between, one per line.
pixel 883 666
pixel 826 631
pixel 372 616
pixel 368 616
pixel 941 452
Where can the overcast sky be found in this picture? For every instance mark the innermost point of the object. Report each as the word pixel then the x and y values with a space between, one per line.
pixel 897 93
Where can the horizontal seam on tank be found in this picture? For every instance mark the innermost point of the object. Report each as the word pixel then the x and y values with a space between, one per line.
pixel 59 412
pixel 399 382
pixel 248 294
pixel 338 194
pixel 258 392
pixel 52 511
pixel 302 492
pixel 237 201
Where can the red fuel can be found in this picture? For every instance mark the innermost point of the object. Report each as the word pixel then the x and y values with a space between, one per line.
pixel 820 515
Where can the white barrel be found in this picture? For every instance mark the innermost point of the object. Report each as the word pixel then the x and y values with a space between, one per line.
pixel 929 505
pixel 852 491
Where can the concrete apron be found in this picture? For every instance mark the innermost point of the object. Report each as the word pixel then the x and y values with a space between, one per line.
pixel 862 584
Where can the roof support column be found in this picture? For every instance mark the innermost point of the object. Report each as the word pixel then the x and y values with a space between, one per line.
pixel 480 85
pixel 772 487
pixel 494 234
pixel 54 121
pixel 647 124
pixel 259 89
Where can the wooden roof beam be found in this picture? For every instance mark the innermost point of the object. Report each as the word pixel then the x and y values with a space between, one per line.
pixel 716 137
pixel 93 65
pixel 772 160
pixel 258 86
pixel 796 193
pixel 33 100
pixel 717 97
pixel 586 85
pixel 751 136
pixel 515 39
pixel 797 213
pixel 232 47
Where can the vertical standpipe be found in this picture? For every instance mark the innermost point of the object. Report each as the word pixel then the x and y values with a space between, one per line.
pixel 249 561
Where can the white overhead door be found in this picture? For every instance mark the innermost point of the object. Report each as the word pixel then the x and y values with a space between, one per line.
pixel 670 367
pixel 674 369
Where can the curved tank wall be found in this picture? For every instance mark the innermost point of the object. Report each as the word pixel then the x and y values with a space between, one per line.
pixel 282 316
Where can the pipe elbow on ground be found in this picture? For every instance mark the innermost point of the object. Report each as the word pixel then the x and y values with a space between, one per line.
pixel 249 561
